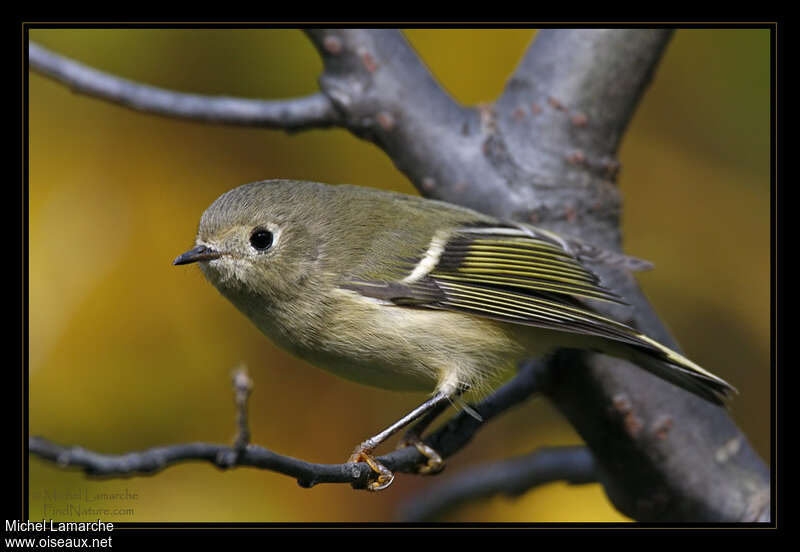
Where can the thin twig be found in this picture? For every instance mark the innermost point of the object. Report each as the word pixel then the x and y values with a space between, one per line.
pixel 314 111
pixel 151 461
pixel 447 440
pixel 512 477
pixel 243 386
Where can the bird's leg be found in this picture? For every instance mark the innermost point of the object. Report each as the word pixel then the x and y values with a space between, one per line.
pixel 363 452
pixel 413 437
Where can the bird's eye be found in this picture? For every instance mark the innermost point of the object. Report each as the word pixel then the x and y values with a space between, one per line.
pixel 261 239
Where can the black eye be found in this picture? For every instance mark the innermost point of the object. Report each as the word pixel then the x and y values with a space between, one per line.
pixel 261 239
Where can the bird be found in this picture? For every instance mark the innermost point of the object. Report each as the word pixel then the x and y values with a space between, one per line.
pixel 407 293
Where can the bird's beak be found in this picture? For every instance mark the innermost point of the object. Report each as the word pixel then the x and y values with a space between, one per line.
pixel 199 253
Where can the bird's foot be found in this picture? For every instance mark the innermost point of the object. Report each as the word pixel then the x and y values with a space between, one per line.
pixel 385 476
pixel 435 463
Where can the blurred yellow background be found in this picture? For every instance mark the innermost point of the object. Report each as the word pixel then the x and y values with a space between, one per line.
pixel 128 352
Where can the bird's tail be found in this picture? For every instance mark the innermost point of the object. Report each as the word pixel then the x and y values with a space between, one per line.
pixel 679 370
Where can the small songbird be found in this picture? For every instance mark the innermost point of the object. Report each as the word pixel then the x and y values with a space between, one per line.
pixel 407 293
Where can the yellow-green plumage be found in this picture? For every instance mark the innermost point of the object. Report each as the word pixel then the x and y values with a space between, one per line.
pixel 407 293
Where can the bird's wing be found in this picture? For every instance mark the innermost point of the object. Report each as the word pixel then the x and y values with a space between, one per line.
pixel 524 259
pixel 520 275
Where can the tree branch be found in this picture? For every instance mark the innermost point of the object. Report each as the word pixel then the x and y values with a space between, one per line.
pixel 386 95
pixel 314 111
pixel 512 477
pixel 447 441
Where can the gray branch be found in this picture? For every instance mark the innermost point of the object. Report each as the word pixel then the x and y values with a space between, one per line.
pixel 386 95
pixel 447 441
pixel 314 111
pixel 544 152
pixel 513 477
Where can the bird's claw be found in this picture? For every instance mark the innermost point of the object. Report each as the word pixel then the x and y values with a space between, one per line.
pixel 435 463
pixel 385 476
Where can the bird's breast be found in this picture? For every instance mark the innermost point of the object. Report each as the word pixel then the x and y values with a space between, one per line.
pixel 389 346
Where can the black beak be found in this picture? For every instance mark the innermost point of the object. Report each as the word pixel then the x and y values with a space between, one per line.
pixel 199 253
